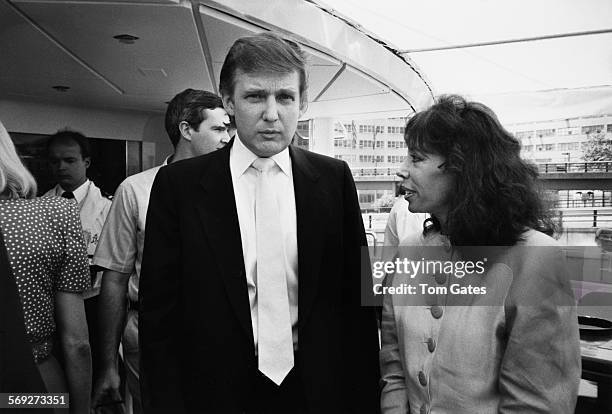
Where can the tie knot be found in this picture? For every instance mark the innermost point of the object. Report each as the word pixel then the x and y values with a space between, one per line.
pixel 264 164
pixel 68 194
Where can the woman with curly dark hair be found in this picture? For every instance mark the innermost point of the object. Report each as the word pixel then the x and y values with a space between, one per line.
pixel 496 336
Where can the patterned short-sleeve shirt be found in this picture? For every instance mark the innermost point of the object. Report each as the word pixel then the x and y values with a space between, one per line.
pixel 46 251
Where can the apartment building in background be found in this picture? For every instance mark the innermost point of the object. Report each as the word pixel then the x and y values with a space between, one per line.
pixel 371 144
pixel 379 144
pixel 560 140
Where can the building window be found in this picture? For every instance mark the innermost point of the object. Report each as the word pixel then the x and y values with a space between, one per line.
pixel 524 135
pixel 541 133
pixel 366 197
pixel 303 128
pixel 395 130
pixel 592 129
pixel 371 158
pixel 396 159
pixel 396 144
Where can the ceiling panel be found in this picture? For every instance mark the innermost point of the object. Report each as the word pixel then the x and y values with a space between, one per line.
pixel 70 42
pixel 382 105
pixel 353 83
pixel 167 43
pixel 221 29
pixel 28 54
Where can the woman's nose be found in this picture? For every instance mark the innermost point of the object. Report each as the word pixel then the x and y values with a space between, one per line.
pixel 404 171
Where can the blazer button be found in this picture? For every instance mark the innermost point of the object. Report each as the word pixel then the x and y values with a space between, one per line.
pixel 422 378
pixel 431 344
pixel 447 245
pixel 424 409
pixel 440 278
pixel 436 311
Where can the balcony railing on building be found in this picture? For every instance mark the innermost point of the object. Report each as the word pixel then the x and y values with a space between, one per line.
pixel 543 168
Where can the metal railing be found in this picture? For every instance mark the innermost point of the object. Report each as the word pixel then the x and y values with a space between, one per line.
pixel 575 167
pixel 583 203
pixel 578 218
pixel 374 172
pixel 585 218
pixel 543 168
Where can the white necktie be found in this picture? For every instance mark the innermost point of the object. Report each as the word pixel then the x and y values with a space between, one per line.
pixel 275 342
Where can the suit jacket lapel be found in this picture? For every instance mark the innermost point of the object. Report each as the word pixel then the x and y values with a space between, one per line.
pixel 220 221
pixel 309 203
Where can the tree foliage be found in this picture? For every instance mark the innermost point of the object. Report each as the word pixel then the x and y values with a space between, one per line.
pixel 598 148
pixel 386 200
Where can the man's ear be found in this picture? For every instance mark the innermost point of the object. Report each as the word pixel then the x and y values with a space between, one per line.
pixel 303 106
pixel 185 130
pixel 87 161
pixel 228 104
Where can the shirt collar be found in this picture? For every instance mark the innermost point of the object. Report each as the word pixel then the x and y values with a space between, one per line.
pixel 241 159
pixel 80 192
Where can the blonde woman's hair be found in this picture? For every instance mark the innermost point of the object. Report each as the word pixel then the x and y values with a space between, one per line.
pixel 15 179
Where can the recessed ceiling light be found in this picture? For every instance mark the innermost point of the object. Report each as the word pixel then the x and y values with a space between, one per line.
pixel 61 88
pixel 126 38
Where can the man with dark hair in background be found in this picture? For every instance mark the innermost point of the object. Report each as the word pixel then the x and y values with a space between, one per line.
pixel 69 155
pixel 196 124
pixel 250 295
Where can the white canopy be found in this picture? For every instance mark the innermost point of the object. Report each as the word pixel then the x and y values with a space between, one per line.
pixel 529 60
pixel 181 44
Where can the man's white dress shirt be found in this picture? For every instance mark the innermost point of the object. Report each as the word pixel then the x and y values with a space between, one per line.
pixel 244 181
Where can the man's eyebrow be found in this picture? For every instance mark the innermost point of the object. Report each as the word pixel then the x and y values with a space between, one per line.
pixel 253 88
pixel 287 90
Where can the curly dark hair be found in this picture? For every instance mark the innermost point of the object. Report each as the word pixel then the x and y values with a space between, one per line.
pixel 496 194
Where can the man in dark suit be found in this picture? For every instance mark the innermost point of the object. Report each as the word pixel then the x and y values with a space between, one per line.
pixel 250 288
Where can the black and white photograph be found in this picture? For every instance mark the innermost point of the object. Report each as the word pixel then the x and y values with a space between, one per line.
pixel 305 206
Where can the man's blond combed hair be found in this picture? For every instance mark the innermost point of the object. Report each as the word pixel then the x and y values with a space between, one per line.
pixel 15 179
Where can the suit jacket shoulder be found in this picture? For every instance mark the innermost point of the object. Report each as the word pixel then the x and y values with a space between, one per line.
pixel 194 168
